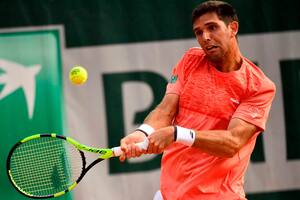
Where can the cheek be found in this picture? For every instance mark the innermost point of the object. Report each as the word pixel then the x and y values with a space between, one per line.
pixel 200 41
pixel 222 41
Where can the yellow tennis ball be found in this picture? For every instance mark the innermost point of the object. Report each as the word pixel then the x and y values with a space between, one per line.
pixel 78 75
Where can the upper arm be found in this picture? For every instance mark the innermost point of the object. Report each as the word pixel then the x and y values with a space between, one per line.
pixel 241 131
pixel 256 106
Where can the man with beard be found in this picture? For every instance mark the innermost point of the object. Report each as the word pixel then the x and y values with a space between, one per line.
pixel 216 104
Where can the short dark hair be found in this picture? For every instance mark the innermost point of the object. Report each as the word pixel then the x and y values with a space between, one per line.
pixel 224 10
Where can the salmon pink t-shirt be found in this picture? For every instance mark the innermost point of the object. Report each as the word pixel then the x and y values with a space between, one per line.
pixel 209 99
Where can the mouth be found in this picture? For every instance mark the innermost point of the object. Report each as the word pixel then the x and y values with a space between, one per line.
pixel 210 48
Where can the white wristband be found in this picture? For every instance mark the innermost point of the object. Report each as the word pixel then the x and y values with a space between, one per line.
pixel 146 129
pixel 184 135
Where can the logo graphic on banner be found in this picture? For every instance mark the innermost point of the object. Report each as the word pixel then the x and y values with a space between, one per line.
pixel 19 76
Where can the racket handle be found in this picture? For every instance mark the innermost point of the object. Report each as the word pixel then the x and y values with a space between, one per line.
pixel 142 145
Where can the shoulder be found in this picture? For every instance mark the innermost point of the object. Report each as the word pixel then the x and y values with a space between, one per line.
pixel 193 57
pixel 195 51
pixel 257 77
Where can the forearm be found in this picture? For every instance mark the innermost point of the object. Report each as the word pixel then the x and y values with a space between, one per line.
pixel 163 115
pixel 220 143
pixel 159 118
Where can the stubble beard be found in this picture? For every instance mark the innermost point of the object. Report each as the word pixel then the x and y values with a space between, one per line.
pixel 216 59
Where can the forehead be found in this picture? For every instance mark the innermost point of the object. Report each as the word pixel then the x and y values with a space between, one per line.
pixel 207 19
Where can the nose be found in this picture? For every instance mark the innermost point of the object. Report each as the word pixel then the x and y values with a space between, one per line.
pixel 206 36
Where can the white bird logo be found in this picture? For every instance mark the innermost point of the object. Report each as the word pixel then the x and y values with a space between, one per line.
pixel 18 76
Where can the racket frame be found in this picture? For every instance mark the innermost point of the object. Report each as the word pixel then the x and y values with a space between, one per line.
pixel 104 154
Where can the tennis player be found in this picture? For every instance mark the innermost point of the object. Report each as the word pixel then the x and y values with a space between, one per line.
pixel 216 104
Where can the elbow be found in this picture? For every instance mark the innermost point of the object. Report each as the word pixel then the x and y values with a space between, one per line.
pixel 231 152
pixel 232 149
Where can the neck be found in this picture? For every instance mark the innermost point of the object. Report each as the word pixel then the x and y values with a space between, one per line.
pixel 231 61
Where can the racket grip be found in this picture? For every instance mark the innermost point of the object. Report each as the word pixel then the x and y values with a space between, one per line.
pixel 142 145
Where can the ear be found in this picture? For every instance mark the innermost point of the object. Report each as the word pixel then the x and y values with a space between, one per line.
pixel 234 27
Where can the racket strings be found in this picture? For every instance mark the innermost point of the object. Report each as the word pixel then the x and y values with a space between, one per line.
pixel 45 166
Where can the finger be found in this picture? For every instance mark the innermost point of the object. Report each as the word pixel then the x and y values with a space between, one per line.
pixel 128 152
pixel 151 145
pixel 149 149
pixel 124 146
pixel 139 152
pixel 160 149
pixel 133 150
pixel 155 148
pixel 122 158
pixel 144 151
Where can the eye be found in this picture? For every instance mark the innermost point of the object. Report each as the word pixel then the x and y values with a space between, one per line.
pixel 212 27
pixel 198 32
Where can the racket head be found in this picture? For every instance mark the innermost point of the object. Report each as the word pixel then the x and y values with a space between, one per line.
pixel 45 166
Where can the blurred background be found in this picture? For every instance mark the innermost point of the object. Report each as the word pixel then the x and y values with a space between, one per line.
pixel 129 48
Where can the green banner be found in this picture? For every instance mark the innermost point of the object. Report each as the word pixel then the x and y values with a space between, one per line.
pixel 31 92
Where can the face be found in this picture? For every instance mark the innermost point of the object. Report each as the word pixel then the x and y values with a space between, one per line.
pixel 214 36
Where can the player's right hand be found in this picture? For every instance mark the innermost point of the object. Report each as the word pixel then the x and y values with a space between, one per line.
pixel 128 145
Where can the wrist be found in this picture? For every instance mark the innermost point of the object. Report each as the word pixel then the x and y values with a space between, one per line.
pixel 146 129
pixel 184 135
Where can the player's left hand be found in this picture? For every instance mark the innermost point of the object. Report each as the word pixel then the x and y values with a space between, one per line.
pixel 160 139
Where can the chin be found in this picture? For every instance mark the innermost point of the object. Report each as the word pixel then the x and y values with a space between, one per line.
pixel 215 58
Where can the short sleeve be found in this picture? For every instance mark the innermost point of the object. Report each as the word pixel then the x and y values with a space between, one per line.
pixel 176 81
pixel 255 108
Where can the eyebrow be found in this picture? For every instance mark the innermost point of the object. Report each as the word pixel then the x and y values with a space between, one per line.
pixel 207 24
pixel 210 23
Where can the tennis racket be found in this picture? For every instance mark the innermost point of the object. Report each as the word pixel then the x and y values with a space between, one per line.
pixel 50 165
